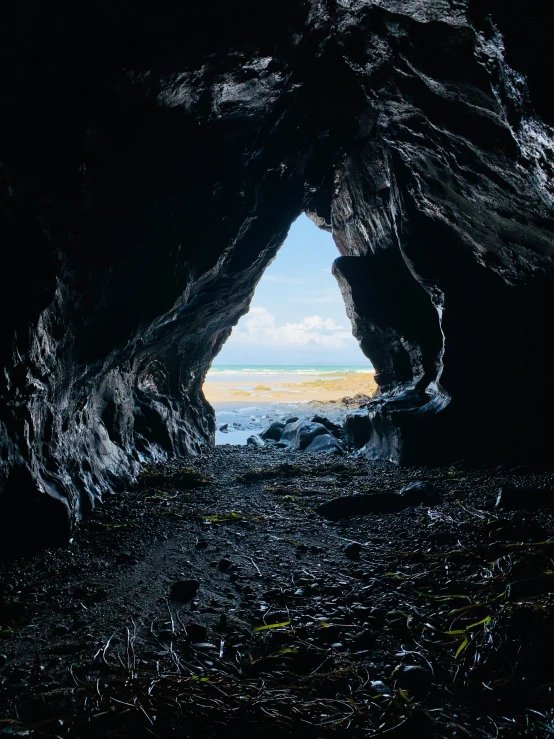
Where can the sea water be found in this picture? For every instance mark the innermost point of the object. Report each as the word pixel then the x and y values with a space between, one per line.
pixel 256 373
pixel 248 419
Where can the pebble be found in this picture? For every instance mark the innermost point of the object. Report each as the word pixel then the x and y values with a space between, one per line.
pixel 204 646
pixel 184 590
pixel 379 687
pixel 353 551
pixel 225 564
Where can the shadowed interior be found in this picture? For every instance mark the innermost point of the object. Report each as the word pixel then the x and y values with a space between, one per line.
pixel 154 170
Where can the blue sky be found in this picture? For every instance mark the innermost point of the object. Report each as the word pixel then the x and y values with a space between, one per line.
pixel 297 315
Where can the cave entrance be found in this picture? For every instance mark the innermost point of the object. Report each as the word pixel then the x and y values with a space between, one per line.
pixel 293 353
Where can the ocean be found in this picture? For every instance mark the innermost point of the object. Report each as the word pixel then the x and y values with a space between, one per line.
pixel 281 372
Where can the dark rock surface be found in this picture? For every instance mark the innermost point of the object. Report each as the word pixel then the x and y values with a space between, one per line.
pixel 333 428
pixel 254 440
pixel 151 164
pixel 274 431
pixel 514 498
pixel 326 444
pixel 360 505
pixel 420 492
pixel 300 434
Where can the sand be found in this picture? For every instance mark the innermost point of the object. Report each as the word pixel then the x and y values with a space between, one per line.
pixel 299 392
pixel 247 408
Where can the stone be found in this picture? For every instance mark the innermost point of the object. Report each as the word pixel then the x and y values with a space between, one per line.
pixel 420 492
pixel 300 434
pixel 255 440
pixel 224 428
pixel 357 428
pixel 273 431
pixel 225 564
pixel 184 590
pixel 353 550
pixel 380 687
pixel 292 419
pixel 3 660
pixel 204 647
pixel 360 505
pixel 325 444
pixel 513 498
pixel 333 428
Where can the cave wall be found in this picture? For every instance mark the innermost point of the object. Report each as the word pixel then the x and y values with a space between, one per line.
pixel 151 163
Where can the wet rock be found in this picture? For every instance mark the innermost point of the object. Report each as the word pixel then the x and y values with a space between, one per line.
pixel 357 428
pixel 420 492
pixel 519 498
pixel 325 444
pixel 353 550
pixel 255 440
pixel 360 505
pixel 292 419
pixel 184 590
pixel 301 433
pixel 3 660
pixel 204 647
pixel 333 428
pixel 225 427
pixel 225 564
pixel 380 687
pixel 61 629
pixel 273 432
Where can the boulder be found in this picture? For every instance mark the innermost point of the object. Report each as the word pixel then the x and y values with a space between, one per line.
pixel 326 444
pixel 333 428
pixel 300 434
pixel 360 505
pixel 420 492
pixel 274 431
pixel 255 440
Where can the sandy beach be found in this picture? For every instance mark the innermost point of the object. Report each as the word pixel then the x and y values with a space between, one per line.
pixel 246 407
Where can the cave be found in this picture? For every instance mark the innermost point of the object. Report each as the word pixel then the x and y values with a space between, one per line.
pixel 152 163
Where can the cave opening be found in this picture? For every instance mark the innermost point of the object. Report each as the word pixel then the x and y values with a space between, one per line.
pixel 294 346
pixel 379 566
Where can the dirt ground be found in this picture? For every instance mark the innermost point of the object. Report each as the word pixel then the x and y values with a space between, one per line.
pixel 213 600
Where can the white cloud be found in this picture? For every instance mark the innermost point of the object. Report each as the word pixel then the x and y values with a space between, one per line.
pixel 258 328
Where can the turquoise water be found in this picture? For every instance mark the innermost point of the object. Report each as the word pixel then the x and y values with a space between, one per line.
pixel 218 371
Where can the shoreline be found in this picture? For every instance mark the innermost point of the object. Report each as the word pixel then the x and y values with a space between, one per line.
pixel 244 408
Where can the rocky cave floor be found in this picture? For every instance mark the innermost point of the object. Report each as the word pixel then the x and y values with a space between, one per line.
pixel 213 600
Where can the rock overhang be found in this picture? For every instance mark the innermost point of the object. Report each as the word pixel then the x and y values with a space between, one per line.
pixel 177 149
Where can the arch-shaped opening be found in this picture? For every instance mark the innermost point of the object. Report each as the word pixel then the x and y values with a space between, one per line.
pixel 294 348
